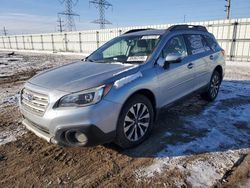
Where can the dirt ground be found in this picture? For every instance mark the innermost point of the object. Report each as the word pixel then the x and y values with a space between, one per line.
pixel 194 144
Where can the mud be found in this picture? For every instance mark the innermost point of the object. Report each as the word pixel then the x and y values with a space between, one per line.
pixel 173 156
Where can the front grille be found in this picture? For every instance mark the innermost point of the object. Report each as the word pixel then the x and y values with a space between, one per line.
pixel 34 102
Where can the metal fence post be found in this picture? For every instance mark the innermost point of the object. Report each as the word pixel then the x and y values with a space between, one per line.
pixel 16 42
pixel 66 42
pixel 42 42
pixel 97 39
pixel 24 47
pixel 9 43
pixel 243 48
pixel 232 50
pixel 80 41
pixel 52 42
pixel 31 41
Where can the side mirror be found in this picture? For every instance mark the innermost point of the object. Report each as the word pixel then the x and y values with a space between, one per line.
pixel 173 58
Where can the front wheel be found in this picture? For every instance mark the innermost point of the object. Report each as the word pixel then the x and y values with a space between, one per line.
pixel 213 88
pixel 135 122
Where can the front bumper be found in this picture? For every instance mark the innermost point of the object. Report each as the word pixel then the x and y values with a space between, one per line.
pixel 94 135
pixel 97 122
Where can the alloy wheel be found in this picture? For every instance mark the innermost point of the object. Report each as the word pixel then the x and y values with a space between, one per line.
pixel 136 122
pixel 214 87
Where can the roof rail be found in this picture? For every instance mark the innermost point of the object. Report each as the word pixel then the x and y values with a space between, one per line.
pixel 185 26
pixel 136 30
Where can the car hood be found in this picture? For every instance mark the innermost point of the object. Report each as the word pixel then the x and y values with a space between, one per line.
pixel 78 76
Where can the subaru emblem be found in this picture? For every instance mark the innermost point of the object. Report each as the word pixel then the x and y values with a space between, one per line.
pixel 30 97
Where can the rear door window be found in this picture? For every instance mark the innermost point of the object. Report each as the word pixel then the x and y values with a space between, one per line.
pixel 196 44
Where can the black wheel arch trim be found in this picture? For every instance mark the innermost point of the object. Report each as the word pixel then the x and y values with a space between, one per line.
pixel 151 98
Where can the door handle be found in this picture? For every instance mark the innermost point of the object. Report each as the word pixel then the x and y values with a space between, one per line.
pixel 211 57
pixel 190 65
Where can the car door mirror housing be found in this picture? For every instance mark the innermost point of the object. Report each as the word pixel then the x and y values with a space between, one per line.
pixel 173 58
pixel 162 63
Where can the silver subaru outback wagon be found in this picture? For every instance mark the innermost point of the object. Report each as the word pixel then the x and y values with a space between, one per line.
pixel 115 94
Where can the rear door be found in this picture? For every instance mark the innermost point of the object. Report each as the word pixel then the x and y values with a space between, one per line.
pixel 177 80
pixel 201 55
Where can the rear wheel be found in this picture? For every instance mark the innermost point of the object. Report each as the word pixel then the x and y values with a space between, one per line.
pixel 213 88
pixel 135 122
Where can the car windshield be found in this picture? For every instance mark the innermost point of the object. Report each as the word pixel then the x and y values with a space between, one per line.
pixel 126 49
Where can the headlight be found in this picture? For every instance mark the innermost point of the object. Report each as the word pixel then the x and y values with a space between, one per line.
pixel 84 98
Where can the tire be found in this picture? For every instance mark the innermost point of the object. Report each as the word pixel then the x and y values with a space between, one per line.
pixel 213 88
pixel 135 122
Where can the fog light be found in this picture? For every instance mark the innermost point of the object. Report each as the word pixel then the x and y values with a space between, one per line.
pixel 80 137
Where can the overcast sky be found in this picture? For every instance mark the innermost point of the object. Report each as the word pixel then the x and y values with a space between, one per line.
pixel 37 16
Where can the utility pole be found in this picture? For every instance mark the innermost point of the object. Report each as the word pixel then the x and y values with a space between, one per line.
pixel 184 18
pixel 59 21
pixel 69 13
pixel 228 8
pixel 4 31
pixel 101 5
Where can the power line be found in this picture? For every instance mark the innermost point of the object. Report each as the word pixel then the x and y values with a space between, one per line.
pixel 228 8
pixel 101 5
pixel 69 13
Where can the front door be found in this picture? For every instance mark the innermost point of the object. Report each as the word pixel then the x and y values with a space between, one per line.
pixel 176 80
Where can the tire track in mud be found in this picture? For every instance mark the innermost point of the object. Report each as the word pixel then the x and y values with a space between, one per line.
pixel 31 158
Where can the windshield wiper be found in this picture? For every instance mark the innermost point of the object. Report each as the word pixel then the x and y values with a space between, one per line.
pixel 87 59
pixel 108 61
pixel 90 60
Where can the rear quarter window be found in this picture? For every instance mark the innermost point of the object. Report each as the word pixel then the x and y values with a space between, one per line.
pixel 212 42
pixel 196 44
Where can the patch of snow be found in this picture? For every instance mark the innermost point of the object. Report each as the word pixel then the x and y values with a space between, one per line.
pixel 201 173
pixel 11 135
pixel 168 134
pixel 13 99
pixel 123 81
pixel 16 63
pixel 238 64
pixel 213 140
